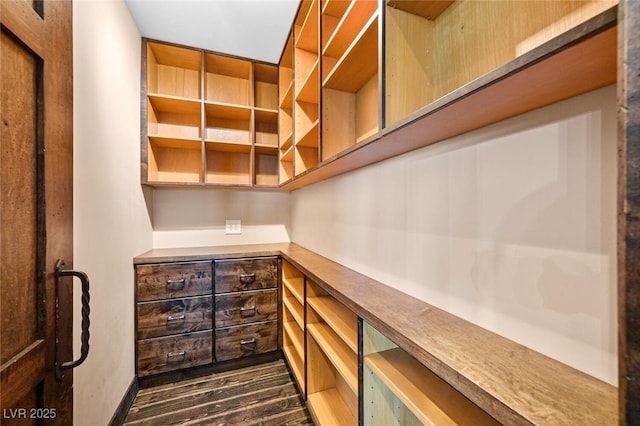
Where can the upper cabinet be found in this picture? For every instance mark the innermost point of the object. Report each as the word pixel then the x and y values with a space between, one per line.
pixel 210 119
pixel 360 81
pixel 442 46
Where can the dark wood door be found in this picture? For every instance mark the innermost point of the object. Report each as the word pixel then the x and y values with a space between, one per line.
pixel 36 223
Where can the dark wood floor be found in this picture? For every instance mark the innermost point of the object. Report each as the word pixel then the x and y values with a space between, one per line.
pixel 260 395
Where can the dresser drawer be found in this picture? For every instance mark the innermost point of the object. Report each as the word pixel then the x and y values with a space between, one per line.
pixel 246 340
pixel 174 352
pixel 175 316
pixel 246 274
pixel 246 307
pixel 173 280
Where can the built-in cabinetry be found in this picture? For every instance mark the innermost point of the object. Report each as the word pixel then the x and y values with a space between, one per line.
pixel 360 351
pixel 174 312
pixel 195 313
pixel 246 307
pixel 360 81
pixel 332 358
pixel 397 389
pixel 293 324
pixel 208 118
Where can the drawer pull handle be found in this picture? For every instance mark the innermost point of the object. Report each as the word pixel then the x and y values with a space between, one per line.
pixel 176 285
pixel 172 355
pixel 248 341
pixel 172 318
pixel 248 309
pixel 247 278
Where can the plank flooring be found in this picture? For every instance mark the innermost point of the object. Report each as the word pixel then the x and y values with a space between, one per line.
pixel 264 394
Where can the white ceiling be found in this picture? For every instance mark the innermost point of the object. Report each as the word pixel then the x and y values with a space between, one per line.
pixel 255 29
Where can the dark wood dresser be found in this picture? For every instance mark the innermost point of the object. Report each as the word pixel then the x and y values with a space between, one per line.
pixel 198 313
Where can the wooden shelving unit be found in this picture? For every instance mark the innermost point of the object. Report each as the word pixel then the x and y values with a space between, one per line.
pixel 487 66
pixel 293 323
pixel 398 389
pixel 285 124
pixel 210 119
pixel 350 86
pixel 439 55
pixel 306 72
pixel 332 358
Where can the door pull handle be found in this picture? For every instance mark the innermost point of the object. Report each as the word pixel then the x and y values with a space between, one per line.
pixel 84 336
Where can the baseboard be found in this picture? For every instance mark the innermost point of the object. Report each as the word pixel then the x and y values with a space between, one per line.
pixel 123 408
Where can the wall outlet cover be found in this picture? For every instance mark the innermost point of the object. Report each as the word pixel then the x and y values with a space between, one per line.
pixel 233 227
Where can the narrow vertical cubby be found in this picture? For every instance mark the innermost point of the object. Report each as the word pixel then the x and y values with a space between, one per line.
pixel 174 126
pixel 440 46
pixel 293 321
pixel 400 390
pixel 306 88
pixel 350 86
pixel 266 124
pixel 228 120
pixel 332 358
pixel 285 116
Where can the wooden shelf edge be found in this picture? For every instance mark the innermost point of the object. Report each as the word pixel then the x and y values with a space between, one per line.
pixel 343 359
pixel 296 365
pixel 298 316
pixel 328 407
pixel 334 313
pixel 428 397
pixel 296 337
pixel 296 287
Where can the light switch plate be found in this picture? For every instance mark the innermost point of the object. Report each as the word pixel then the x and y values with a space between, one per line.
pixel 234 227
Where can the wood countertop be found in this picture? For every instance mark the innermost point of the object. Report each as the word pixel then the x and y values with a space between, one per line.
pixel 513 383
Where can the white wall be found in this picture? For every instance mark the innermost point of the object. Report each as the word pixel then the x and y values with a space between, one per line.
pixel 111 223
pixel 512 227
pixel 196 217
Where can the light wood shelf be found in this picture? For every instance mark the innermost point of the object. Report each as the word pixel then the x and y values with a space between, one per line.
pixel 341 356
pixel 309 91
pixel 305 158
pixel 296 363
pixel 181 164
pixel 173 71
pixel 307 38
pixel 287 97
pixel 310 138
pixel 329 408
pixel 359 62
pixel 353 20
pixel 295 308
pixel 287 155
pixel 228 80
pixel 429 398
pixel 295 334
pixel 287 142
pixel 339 318
pixel 296 286
pixel 428 9
pixel 265 81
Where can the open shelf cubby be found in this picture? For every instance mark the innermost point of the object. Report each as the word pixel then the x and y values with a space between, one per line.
pixel 400 390
pixel 350 88
pixel 173 71
pixel 332 358
pixel 293 323
pixel 285 116
pixel 220 128
pixel 440 51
